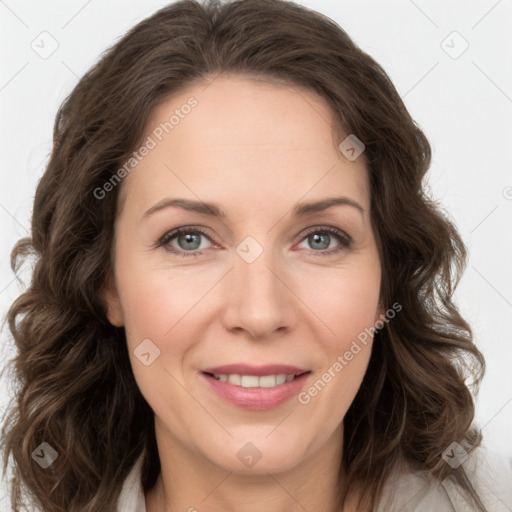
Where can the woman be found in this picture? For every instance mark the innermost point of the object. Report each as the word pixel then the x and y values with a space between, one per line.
pixel 242 296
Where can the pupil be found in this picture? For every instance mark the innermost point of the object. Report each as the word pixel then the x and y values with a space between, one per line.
pixel 317 238
pixel 189 238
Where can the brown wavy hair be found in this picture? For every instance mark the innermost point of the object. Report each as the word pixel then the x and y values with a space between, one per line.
pixel 75 386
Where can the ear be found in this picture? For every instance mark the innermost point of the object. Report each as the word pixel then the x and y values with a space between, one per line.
pixel 112 303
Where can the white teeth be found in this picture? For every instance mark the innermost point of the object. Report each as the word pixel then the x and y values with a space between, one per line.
pixel 253 381
pixel 267 381
pixel 280 378
pixel 250 381
pixel 235 379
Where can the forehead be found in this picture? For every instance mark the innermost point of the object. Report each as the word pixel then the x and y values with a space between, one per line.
pixel 245 111
pixel 242 134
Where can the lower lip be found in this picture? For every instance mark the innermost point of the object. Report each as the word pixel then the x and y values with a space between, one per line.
pixel 257 399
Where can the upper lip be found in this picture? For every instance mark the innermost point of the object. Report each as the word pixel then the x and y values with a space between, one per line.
pixel 248 369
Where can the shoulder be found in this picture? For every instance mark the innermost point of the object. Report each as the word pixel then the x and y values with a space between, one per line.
pixel 416 491
pixel 491 476
pixel 132 497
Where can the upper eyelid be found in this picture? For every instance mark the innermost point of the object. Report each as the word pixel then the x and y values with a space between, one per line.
pixel 329 229
pixel 186 229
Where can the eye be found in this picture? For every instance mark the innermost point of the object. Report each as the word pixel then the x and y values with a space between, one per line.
pixel 190 241
pixel 321 240
pixel 184 241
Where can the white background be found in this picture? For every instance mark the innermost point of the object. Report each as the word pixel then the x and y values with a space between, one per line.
pixel 463 104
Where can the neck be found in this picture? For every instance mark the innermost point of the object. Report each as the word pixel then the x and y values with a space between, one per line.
pixel 190 482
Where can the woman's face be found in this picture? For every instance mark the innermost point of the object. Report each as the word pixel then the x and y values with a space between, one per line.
pixel 274 275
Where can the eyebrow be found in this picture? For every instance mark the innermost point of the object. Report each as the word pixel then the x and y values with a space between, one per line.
pixel 213 210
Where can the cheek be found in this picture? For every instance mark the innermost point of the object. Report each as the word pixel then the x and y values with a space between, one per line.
pixel 155 301
pixel 167 307
pixel 156 311
pixel 346 303
pixel 344 300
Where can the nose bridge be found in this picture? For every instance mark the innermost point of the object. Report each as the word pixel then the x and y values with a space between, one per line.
pixel 259 302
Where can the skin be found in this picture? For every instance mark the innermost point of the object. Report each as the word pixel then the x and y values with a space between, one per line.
pixel 256 149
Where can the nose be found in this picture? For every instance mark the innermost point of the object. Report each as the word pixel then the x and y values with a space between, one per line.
pixel 257 299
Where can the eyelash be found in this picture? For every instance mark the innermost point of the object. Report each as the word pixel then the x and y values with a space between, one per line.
pixel 344 239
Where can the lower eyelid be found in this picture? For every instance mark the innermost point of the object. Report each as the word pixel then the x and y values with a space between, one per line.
pixel 342 246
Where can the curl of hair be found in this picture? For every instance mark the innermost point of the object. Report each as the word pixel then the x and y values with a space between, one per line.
pixel 76 389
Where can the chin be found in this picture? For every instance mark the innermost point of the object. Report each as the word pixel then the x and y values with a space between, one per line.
pixel 259 456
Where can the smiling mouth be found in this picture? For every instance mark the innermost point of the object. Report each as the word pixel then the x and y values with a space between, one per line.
pixel 255 381
pixel 256 388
